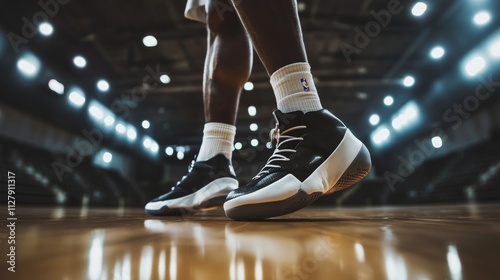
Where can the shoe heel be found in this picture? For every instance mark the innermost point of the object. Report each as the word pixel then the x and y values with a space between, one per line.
pixel 359 168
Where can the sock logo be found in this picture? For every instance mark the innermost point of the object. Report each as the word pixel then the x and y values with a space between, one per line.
pixel 305 84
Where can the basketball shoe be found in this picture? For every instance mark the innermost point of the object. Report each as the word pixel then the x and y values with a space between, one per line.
pixel 315 154
pixel 205 187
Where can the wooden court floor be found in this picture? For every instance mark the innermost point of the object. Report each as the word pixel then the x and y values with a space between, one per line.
pixel 425 242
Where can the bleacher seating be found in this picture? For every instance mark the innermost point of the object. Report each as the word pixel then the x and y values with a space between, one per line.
pixel 38 184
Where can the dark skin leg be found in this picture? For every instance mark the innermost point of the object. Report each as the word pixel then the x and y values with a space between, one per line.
pixel 227 65
pixel 275 30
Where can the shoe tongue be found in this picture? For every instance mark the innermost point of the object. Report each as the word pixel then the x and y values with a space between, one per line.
pixel 287 120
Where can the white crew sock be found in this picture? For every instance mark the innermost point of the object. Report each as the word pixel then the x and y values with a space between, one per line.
pixel 218 138
pixel 294 88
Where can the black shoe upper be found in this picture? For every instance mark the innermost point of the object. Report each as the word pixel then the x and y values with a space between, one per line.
pixel 200 174
pixel 316 135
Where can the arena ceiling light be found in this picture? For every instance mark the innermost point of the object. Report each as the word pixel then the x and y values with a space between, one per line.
pixel 145 124
pixel 109 120
pixel 388 100
pixel 80 61
pixel 254 142
pixel 437 52
pixel 252 111
pixel 169 151
pixel 238 146
pixel 408 81
pixel 155 147
pixel 254 127
pixel 180 155
pixel 437 142
pixel 56 86
pixel 494 48
pixel 475 66
pixel 150 41
pixel 103 85
pixel 165 79
pixel 147 142
pixel 248 86
pixel 77 98
pixel 374 119
pixel 107 157
pixel 120 128
pixel 28 65
pixel 131 133
pixel 381 135
pixel 482 18
pixel 46 29
pixel 419 9
pixel 96 112
pixel 406 116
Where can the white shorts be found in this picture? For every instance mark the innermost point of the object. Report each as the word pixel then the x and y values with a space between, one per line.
pixel 196 10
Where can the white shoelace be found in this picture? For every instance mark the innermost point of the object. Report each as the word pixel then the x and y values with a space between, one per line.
pixel 276 156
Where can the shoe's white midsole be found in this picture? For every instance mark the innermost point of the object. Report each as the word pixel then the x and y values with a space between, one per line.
pixel 321 180
pixel 216 188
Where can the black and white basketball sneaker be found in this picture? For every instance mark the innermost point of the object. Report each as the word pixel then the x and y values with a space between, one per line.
pixel 204 188
pixel 315 154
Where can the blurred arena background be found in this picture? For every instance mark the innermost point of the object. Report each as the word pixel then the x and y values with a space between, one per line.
pixel 101 101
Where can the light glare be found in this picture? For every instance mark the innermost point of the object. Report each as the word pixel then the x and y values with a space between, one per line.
pixel 28 66
pixel 109 120
pixel 56 86
pixel 475 65
pixel 494 49
pixel 165 79
pixel 482 18
pixel 248 86
pixel 96 112
pixel 252 111
pixel 80 61
pixel 437 52
pixel 408 81
pixel 147 143
pixel 388 100
pixel 131 133
pixel 238 146
pixel 107 157
pixel 154 147
pixel 46 29
pixel 103 85
pixel 437 142
pixel 150 41
pixel 77 98
pixel 180 155
pixel 254 127
pixel 374 119
pixel 254 142
pixel 419 9
pixel 381 135
pixel 145 124
pixel 120 128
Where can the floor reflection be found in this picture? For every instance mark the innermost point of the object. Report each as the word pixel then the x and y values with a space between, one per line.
pixel 405 243
pixel 277 251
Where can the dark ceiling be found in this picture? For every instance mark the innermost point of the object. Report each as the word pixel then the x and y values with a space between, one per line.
pixel 109 34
